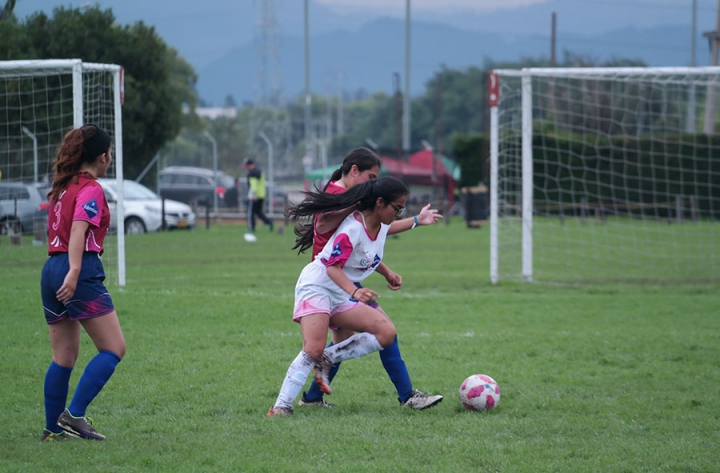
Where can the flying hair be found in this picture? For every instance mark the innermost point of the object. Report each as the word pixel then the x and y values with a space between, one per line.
pixel 364 196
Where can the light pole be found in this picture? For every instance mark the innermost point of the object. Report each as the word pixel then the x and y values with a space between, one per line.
pixel 215 170
pixel 271 173
pixel 35 151
pixel 323 157
pixel 434 176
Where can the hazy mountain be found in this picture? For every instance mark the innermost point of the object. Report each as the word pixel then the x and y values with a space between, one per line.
pixel 218 38
pixel 369 57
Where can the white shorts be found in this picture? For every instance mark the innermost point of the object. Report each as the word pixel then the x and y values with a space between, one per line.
pixel 315 293
pixel 316 300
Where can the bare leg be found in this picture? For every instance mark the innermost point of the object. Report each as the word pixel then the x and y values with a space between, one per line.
pixel 106 333
pixel 65 342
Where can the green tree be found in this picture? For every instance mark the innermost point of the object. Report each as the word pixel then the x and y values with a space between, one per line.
pixel 7 10
pixel 158 82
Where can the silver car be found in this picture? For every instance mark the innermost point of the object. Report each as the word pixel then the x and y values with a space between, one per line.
pixel 143 209
pixel 22 206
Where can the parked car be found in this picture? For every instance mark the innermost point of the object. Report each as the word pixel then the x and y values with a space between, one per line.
pixel 196 186
pixel 21 205
pixel 143 208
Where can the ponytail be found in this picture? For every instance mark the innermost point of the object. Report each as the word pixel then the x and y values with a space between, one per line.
pixel 364 196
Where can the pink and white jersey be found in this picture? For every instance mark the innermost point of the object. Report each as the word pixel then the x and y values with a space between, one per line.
pixel 357 252
pixel 82 201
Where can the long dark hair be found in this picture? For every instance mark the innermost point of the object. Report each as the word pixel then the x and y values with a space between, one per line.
pixel 364 196
pixel 363 158
pixel 81 145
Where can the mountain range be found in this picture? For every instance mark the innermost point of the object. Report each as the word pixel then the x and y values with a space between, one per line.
pixel 369 57
pixel 360 50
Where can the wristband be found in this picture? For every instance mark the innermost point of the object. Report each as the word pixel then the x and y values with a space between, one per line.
pixel 415 222
pixel 352 296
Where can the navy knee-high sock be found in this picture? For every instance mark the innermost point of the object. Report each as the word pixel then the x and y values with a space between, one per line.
pixel 96 374
pixel 314 393
pixel 57 380
pixel 395 366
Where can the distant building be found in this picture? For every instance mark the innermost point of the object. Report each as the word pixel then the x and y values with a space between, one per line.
pixel 214 112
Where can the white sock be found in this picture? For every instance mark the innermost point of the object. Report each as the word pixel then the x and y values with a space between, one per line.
pixel 358 345
pixel 295 379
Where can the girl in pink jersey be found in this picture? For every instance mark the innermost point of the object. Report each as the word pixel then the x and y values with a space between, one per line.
pixel 328 289
pixel 72 289
pixel 359 166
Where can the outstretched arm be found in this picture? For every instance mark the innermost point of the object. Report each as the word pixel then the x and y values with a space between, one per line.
pixel 427 216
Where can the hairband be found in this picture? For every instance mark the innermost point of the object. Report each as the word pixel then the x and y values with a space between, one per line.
pixel 96 145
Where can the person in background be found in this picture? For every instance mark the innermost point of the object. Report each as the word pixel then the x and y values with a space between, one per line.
pixel 359 166
pixel 256 195
pixel 72 289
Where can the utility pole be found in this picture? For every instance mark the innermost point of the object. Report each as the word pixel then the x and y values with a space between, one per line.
pixel 553 30
pixel 308 125
pixel 211 138
pixel 693 34
pixel 399 116
pixel 269 114
pixel 714 38
pixel 406 96
pixel 690 118
pixel 329 109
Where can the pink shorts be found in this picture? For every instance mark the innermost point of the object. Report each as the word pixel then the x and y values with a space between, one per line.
pixel 321 305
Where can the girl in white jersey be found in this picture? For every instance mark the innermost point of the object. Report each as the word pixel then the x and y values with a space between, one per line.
pixel 326 291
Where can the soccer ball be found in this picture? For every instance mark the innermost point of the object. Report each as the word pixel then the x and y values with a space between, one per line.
pixel 250 237
pixel 479 392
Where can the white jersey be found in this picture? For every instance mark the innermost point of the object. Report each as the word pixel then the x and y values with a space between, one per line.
pixel 358 253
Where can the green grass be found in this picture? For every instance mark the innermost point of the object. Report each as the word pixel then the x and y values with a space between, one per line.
pixel 614 250
pixel 604 378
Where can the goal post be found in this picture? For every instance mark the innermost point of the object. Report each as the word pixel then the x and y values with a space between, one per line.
pixel 604 175
pixel 44 99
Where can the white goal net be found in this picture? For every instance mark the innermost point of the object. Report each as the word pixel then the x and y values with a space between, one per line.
pixel 40 101
pixel 605 175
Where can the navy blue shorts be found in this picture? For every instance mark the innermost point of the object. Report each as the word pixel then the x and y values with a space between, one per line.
pixel 91 298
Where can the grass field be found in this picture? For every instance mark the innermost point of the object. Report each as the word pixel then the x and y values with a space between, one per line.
pixel 615 249
pixel 607 378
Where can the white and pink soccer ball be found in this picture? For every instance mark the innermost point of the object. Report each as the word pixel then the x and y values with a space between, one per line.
pixel 479 392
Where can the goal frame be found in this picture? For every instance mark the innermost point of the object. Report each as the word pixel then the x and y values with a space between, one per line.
pixel 76 67
pixel 526 75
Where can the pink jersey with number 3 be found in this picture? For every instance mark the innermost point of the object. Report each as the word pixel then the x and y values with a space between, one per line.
pixel 82 201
